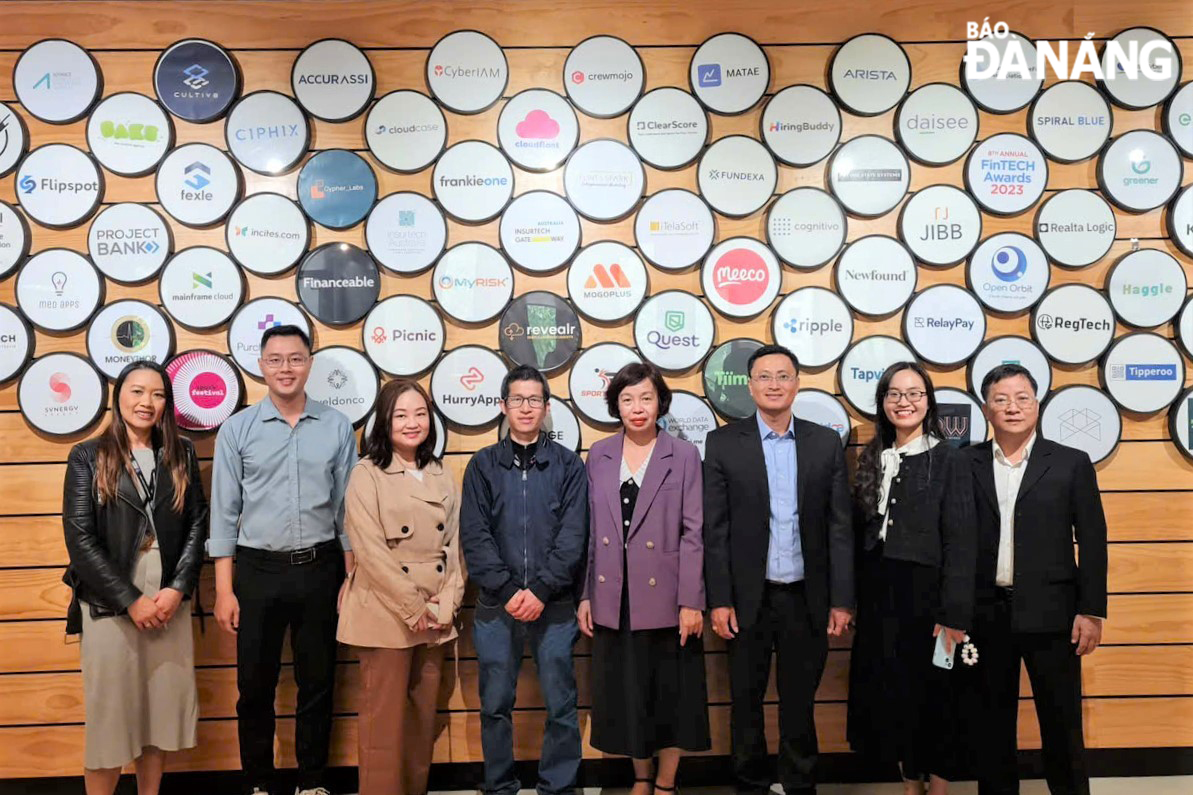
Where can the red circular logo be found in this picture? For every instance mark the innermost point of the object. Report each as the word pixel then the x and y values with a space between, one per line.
pixel 740 276
pixel 208 390
pixel 577 77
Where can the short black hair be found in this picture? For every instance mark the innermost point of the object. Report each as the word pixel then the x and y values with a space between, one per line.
pixel 524 372
pixel 1002 373
pixel 633 374
pixel 771 350
pixel 285 331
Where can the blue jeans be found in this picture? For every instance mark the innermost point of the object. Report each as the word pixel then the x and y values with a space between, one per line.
pixel 500 640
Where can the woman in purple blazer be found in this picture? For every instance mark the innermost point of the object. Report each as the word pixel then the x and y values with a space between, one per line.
pixel 643 593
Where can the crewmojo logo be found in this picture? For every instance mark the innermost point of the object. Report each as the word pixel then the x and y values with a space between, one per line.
pixel 983 59
pixel 741 276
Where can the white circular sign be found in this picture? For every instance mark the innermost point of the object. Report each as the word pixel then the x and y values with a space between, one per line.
pixel 473 282
pixel 668 128
pixel 944 324
pixel 737 176
pixel 962 422
pixel 603 76
pixel 16 343
pixel 62 394
pixel 129 243
pixel 345 380
pixel 406 131
pixel 537 129
pixel 1082 417
pixel 869 175
pixel 58 185
pixel 56 81
pixel 466 386
pixel 333 80
pixel 1143 372
pixel 406 232
pixel 822 408
pixel 1006 173
pixel 589 379
pixel 1184 327
pixel 937 124
pixel 1002 84
pixel 941 225
pixel 124 332
pixel 604 180
pixel 741 277
pixel 14 139
pixel 1146 287
pixel 267 233
pixel 806 227
pixel 690 419
pixel 729 73
pixel 863 364
pixel 540 231
pixel 129 134
pixel 1076 227
pixel 801 125
pixel 607 281
pixel 674 330
pixel 403 335
pixel 467 71
pixel 674 229
pixel 473 182
pixel 1140 171
pixel 1073 323
pixel 1008 272
pixel 197 184
pixel 1180 223
pixel 14 238
pixel 58 290
pixel 1071 121
pixel 876 275
pixel 1141 68
pixel 201 287
pixel 267 132
pixel 814 324
pixel 1177 118
pixel 1180 423
pixel 869 74
pixel 561 425
pixel 252 320
pixel 1010 350
pixel 207 389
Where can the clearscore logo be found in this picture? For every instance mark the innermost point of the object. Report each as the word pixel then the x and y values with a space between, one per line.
pixel 741 276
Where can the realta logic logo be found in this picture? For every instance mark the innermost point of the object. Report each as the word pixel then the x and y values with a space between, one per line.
pixel 984 59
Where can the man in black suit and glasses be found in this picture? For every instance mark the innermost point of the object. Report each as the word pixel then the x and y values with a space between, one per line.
pixel 1034 601
pixel 778 567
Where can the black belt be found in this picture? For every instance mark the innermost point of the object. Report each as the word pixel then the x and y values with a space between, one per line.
pixel 785 586
pixel 1006 593
pixel 294 557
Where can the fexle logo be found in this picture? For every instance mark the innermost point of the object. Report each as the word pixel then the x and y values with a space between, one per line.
pixel 945 323
pixel 801 126
pixel 471 181
pixel 1074 324
pixel 380 337
pixel 741 276
pixel 1143 372
pixel 30 184
pixel 126 242
pixel 199 178
pixel 579 77
pixel 467 72
pixel 983 60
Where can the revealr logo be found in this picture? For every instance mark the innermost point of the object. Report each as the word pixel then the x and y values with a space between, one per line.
pixel 1153 60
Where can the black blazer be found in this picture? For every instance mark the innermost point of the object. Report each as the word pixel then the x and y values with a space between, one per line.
pixel 103 540
pixel 737 519
pixel 1058 502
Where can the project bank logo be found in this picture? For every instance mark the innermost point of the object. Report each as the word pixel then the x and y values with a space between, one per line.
pixel 984 59
pixel 1143 372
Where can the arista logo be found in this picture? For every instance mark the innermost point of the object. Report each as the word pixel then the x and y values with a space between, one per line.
pixel 741 276
pixel 60 386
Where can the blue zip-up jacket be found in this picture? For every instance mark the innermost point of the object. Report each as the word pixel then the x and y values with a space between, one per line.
pixel 525 529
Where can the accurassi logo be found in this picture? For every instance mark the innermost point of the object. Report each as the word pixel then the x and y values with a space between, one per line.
pixel 1153 60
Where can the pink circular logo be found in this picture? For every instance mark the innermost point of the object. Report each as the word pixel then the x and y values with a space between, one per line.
pixel 741 276
pixel 577 77
pixel 208 390
pixel 60 386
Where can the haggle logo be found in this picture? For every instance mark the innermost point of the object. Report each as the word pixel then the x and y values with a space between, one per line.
pixel 983 60
pixel 741 276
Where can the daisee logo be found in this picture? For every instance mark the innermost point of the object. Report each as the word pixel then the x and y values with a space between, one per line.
pixel 984 60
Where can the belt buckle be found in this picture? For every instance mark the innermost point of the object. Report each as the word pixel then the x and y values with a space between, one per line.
pixel 300 556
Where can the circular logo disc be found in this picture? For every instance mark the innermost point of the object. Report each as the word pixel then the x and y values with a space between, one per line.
pixel 944 324
pixel 58 290
pixel 607 281
pixel 537 129
pixel 741 277
pixel 863 364
pixel 129 243
pixel 1146 288
pixel 59 186
pixel 729 73
pixel 128 133
pixel 196 80
pixel 1073 323
pixel 404 335
pixel 201 287
pixel 674 330
pixel 57 81
pixel 801 125
pixel 937 124
pixel 1006 350
pixel 674 229
pixel 1140 171
pixel 251 321
pixel 603 76
pixel 406 131
pixel 197 185
pixel 345 380
pixel 1071 121
pixel 1006 173
pixel 207 390
pixel 540 329
pixel 267 233
pixel 338 283
pixel 814 324
pixel 406 232
pixel 124 332
pixel 333 80
pixel 267 132
pixel 1082 417
pixel 869 175
pixel 727 378
pixel 540 231
pixel 589 379
pixel 604 180
pixel 1143 372
pixel 473 283
pixel 466 386
pixel 869 74
pixel 1008 272
pixel 473 182
pixel 668 128
pixel 467 72
pixel 1076 227
pixel 337 188
pixel 876 275
pixel 61 394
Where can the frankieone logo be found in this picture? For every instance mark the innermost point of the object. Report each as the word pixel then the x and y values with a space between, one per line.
pixel 984 60
pixel 452 72
pixel 945 323
pixel 264 133
pixel 130 133
pixel 1143 372
pixel 472 181
pixel 334 79
pixel 1074 324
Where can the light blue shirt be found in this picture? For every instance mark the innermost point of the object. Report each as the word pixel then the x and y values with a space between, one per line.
pixel 278 488
pixel 785 556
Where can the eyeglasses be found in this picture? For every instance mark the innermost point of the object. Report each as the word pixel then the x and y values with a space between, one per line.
pixel 783 379
pixel 912 395
pixel 296 361
pixel 1002 402
pixel 516 401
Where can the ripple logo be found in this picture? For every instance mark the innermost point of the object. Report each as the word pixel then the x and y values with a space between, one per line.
pixel 60 386
pixel 378 335
pixel 1009 263
pixel 196 76
pixel 28 184
pixel 577 77
pixel 1141 166
pixel 472 379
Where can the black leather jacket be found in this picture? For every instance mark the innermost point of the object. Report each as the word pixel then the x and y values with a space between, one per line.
pixel 103 540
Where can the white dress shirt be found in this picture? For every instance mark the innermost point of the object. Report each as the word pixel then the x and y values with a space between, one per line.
pixel 1007 479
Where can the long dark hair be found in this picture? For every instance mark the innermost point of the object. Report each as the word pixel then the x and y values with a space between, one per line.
pixel 379 447
pixel 869 464
pixel 114 453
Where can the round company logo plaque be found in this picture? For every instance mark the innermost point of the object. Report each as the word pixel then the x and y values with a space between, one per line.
pixel 674 229
pixel 129 243
pixel 466 386
pixel 876 275
pixel 473 182
pixel 16 343
pixel 58 290
pixel 267 132
pixel 1011 86
pixel 937 124
pixel 944 324
pixel 57 81
pixel 862 366
pixel 406 131
pixel 197 185
pixel 1010 350
pixel 604 180
pixel 1076 227
pixel 540 329
pixel 201 287
pixel 404 335
pixel 1073 323
pixel 603 76
pixel 674 330
pixel 252 320
pixel 58 186
pixel 124 332
pixel 338 283
pixel 406 232
pixel 822 408
pixel 1071 121
pixel 1140 171
pixel 14 139
pixel 815 324
pixel 801 125
pixel 737 176
pixel 561 425
pixel 61 394
pixel 196 80
pixel 727 378
pixel 540 232
pixel 869 74
pixel 690 419
pixel 1082 417
pixel 1006 173
pixel 337 188
pixel 1177 119
pixel 607 281
pixel 1147 87
pixel 741 277
pixel 869 175
pixel 941 225
pixel 473 282
pixel 1143 372
pixel 537 129
pixel 668 128
pixel 267 233
pixel 1146 287
pixel 333 80
pixel 806 227
pixel 1008 272
pixel 729 73
pixel 129 134
pixel 467 72
pixel 207 390
pixel 589 379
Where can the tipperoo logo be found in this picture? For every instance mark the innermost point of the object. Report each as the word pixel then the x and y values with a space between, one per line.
pixel 983 59
pixel 1143 372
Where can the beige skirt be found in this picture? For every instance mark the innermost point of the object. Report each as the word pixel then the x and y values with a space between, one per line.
pixel 138 686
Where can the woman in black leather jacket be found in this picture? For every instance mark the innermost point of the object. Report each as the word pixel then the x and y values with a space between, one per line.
pixel 135 520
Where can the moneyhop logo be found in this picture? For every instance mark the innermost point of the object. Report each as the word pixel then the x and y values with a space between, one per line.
pixel 196 76
pixel 741 276
pixel 1143 372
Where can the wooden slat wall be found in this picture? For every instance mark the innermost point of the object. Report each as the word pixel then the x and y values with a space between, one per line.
pixel 1139 687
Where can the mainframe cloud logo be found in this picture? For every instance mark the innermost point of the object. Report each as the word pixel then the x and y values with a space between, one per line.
pixel 741 276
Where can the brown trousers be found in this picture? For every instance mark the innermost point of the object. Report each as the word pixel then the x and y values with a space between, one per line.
pixel 396 731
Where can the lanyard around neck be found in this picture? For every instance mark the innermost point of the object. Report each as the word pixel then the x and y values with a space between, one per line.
pixel 148 485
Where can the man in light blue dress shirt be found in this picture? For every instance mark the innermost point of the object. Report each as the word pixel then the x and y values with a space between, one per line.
pixel 785 556
pixel 277 504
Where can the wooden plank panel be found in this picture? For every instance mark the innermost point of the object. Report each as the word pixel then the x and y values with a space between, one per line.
pixel 1141 516
pixel 1150 567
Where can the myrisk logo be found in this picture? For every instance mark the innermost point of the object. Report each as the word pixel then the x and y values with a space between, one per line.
pixel 196 76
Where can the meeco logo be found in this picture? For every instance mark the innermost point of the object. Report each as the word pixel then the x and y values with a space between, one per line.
pixel 741 276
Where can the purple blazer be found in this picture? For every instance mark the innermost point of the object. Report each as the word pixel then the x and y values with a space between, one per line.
pixel 665 553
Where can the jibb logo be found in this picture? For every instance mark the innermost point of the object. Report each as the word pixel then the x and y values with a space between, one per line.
pixel 741 276
pixel 1143 372
pixel 984 60
pixel 1009 263
pixel 60 386
pixel 196 76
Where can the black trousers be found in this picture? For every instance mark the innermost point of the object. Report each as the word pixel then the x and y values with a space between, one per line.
pixel 784 627
pixel 1055 672
pixel 276 595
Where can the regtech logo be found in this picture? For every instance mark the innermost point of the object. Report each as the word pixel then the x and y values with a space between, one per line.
pixel 1153 60
pixel 1073 324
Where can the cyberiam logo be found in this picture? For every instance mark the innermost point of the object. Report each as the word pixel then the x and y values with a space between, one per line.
pixel 60 386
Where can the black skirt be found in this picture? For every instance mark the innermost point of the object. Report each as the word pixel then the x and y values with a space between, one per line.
pixel 648 692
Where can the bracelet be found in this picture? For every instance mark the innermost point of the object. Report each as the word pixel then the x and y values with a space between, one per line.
pixel 969 652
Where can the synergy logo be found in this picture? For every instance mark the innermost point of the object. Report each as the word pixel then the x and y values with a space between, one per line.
pixel 59 385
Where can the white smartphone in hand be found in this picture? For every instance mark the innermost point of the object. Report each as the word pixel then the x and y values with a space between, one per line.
pixel 433 611
pixel 942 658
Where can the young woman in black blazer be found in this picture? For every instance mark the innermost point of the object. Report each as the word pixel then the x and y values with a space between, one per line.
pixel 914 518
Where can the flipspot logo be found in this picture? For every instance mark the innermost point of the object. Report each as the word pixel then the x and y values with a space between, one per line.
pixel 1153 60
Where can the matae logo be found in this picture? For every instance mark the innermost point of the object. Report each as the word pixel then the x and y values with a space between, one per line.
pixel 985 59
